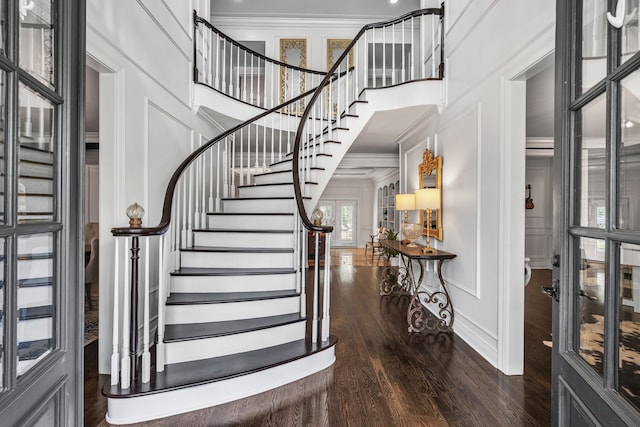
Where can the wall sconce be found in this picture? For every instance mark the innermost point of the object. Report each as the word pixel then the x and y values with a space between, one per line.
pixel 428 199
pixel 405 202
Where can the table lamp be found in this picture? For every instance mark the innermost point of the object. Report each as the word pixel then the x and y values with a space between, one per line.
pixel 405 202
pixel 428 199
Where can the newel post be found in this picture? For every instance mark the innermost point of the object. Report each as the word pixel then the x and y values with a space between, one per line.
pixel 135 212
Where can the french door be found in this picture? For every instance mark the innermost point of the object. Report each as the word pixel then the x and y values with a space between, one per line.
pixel 596 312
pixel 342 215
pixel 41 123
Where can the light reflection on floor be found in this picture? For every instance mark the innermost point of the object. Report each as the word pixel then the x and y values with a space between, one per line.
pixel 355 257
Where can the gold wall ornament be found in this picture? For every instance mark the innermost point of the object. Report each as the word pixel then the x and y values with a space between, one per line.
pixel 293 52
pixel 335 47
pixel 430 176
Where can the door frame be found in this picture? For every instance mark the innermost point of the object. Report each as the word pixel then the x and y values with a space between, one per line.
pixel 512 165
pixel 576 389
pixel 55 383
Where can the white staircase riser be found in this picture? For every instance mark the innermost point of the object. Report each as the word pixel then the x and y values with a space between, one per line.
pixel 236 259
pixel 35 268
pixel 35 296
pixel 239 283
pixel 34 329
pixel 160 405
pixel 281 166
pixel 202 313
pixel 274 178
pixel 258 205
pixel 267 191
pixel 251 222
pixel 230 239
pixel 186 351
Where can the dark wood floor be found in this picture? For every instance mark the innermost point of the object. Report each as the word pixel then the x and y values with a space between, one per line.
pixel 385 377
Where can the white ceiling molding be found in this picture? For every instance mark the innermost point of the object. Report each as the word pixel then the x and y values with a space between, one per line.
pixel 369 160
pixel 278 23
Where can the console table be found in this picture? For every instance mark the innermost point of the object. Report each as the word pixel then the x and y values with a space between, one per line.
pixel 418 317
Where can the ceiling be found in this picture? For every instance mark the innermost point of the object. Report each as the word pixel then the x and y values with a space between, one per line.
pixel 363 9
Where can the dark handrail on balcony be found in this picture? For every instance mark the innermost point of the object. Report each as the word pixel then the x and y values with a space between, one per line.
pixel 199 20
pixel 296 148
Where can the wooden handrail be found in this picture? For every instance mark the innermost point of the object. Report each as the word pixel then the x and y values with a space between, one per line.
pixel 165 220
pixel 296 146
pixel 199 20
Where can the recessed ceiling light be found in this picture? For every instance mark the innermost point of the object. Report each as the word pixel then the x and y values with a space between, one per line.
pixel 393 1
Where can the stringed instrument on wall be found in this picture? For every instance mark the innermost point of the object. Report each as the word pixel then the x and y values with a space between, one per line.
pixel 528 203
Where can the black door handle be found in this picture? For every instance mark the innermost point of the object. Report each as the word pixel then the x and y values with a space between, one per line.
pixel 551 291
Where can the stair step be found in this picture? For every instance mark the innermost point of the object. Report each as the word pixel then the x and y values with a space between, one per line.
pixel 282 189
pixel 182 375
pixel 286 163
pixel 251 220
pixel 220 298
pixel 220 307
pixel 259 204
pixel 239 342
pixel 192 331
pixel 232 279
pixel 274 177
pixel 243 238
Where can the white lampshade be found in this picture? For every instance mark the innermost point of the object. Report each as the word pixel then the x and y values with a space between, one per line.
pixel 405 202
pixel 428 198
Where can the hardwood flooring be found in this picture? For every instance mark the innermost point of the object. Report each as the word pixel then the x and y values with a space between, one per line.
pixel 384 376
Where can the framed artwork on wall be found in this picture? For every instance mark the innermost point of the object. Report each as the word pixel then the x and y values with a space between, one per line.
pixel 292 82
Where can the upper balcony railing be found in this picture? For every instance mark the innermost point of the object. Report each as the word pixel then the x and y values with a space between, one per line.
pixel 381 55
pixel 242 73
pixel 386 53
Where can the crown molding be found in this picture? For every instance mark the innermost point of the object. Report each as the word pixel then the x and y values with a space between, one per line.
pixel 289 23
pixel 92 137
pixel 369 160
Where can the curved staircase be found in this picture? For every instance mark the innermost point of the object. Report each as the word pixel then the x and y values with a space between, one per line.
pixel 240 310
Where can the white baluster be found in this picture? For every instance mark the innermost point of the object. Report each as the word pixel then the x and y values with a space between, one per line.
pixel 384 57
pixel 413 51
pixel 223 67
pixel 257 137
pixel 433 47
pixel 356 54
pixel 224 169
pixel 218 197
pixel 326 287
pixel 185 215
pixel 404 75
pixel 393 54
pixel 301 276
pixel 216 60
pixel 233 166
pixel 373 36
pixel 365 62
pixel 115 356
pixel 212 167
pixel 264 145
pixel 237 92
pixel 146 356
pixel 251 99
pixel 280 126
pixel 316 291
pixel 241 157
pixel 162 292
pixel 125 362
pixel 244 78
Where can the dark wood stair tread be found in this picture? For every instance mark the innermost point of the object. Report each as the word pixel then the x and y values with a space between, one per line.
pixel 197 271
pixel 188 374
pixel 241 230
pixel 250 213
pixel 240 250
pixel 185 298
pixel 190 331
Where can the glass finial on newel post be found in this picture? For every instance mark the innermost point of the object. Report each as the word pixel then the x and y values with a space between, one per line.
pixel 135 212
